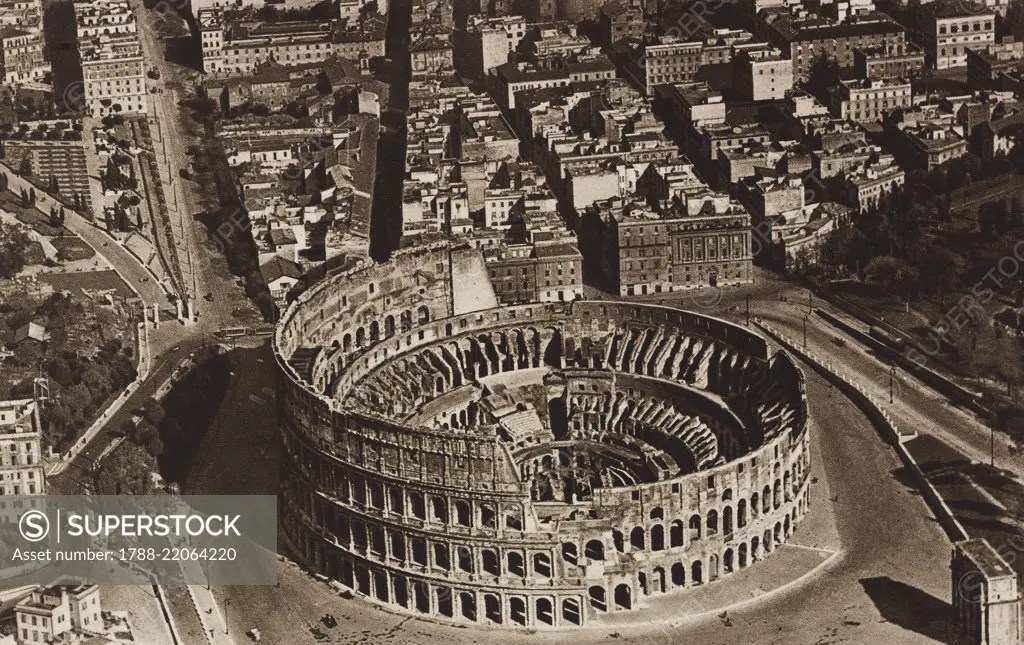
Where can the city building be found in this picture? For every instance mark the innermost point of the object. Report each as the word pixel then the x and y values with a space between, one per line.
pixel 797 235
pixel 866 100
pixel 113 69
pixel 805 38
pixel 995 66
pixel 703 241
pixel 620 20
pixel 21 55
pixel 948 28
pixel 21 452
pixel 238 47
pixel 431 55
pixel 114 76
pixel 924 136
pixel 895 60
pixel 763 75
pixel 59 614
pixel 866 183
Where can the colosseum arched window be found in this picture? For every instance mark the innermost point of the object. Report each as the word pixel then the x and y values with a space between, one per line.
pixel 595 550
pixel 636 539
pixel 727 520
pixel 516 564
pixel 741 513
pixel 676 534
pixel 542 564
pixel 623 596
pixel 712 522
pixel 695 528
pixel 492 564
pixel 657 537
pixel 777 495
pixel 598 599
pixel 697 573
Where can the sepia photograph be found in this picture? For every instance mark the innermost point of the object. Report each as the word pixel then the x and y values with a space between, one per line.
pixel 511 322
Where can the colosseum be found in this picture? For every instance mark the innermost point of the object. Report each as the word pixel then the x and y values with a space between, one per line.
pixel 531 465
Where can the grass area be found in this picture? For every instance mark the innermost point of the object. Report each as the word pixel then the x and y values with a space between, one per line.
pixel 71 249
pixel 101 280
pixel 967 199
pixel 28 215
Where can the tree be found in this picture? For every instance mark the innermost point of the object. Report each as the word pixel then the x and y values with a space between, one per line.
pixel 893 275
pixel 25 168
pixel 824 75
pixel 126 471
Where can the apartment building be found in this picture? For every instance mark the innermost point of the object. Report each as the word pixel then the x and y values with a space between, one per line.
pixel 238 47
pixel 66 614
pixel 867 100
pixel 703 241
pixel 114 74
pixel 896 60
pixel 951 27
pixel 764 74
pixel 21 468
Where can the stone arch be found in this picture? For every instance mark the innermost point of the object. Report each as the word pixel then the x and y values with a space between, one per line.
pixel 492 608
pixel 619 541
pixel 678 574
pixel 374 331
pixel 786 526
pixel 727 520
pixel 422 315
pixel 360 337
pixel 777 494
pixel 517 610
pixel 676 532
pixel 492 564
pixel 346 342
pixel 571 611
pixel 598 598
pixel 697 573
pixel 463 514
pixel 658 580
pixel 545 611
pixel 467 602
pixel 766 499
pixel 594 550
pixel 713 567
pixel 515 563
pixel 542 564
pixel 570 553
pixel 389 326
pixel 465 558
pixel 445 602
pixel 657 537
pixel 742 549
pixel 695 527
pixel 657 513
pixel 728 561
pixel 741 513
pixel 637 539
pixel 623 596
pixel 712 522
pixel 786 487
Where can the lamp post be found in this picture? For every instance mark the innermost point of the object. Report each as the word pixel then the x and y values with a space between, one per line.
pixel 748 309
pixel 805 331
pixel 892 380
pixel 810 300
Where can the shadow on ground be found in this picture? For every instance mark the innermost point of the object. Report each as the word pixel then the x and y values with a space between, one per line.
pixel 910 608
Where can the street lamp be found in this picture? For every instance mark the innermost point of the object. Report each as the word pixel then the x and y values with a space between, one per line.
pixel 748 310
pixel 810 300
pixel 805 331
pixel 892 380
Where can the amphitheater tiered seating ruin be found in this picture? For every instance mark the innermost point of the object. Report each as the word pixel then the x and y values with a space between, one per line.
pixel 529 465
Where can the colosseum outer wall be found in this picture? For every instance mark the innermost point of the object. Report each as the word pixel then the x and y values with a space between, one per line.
pixel 440 522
